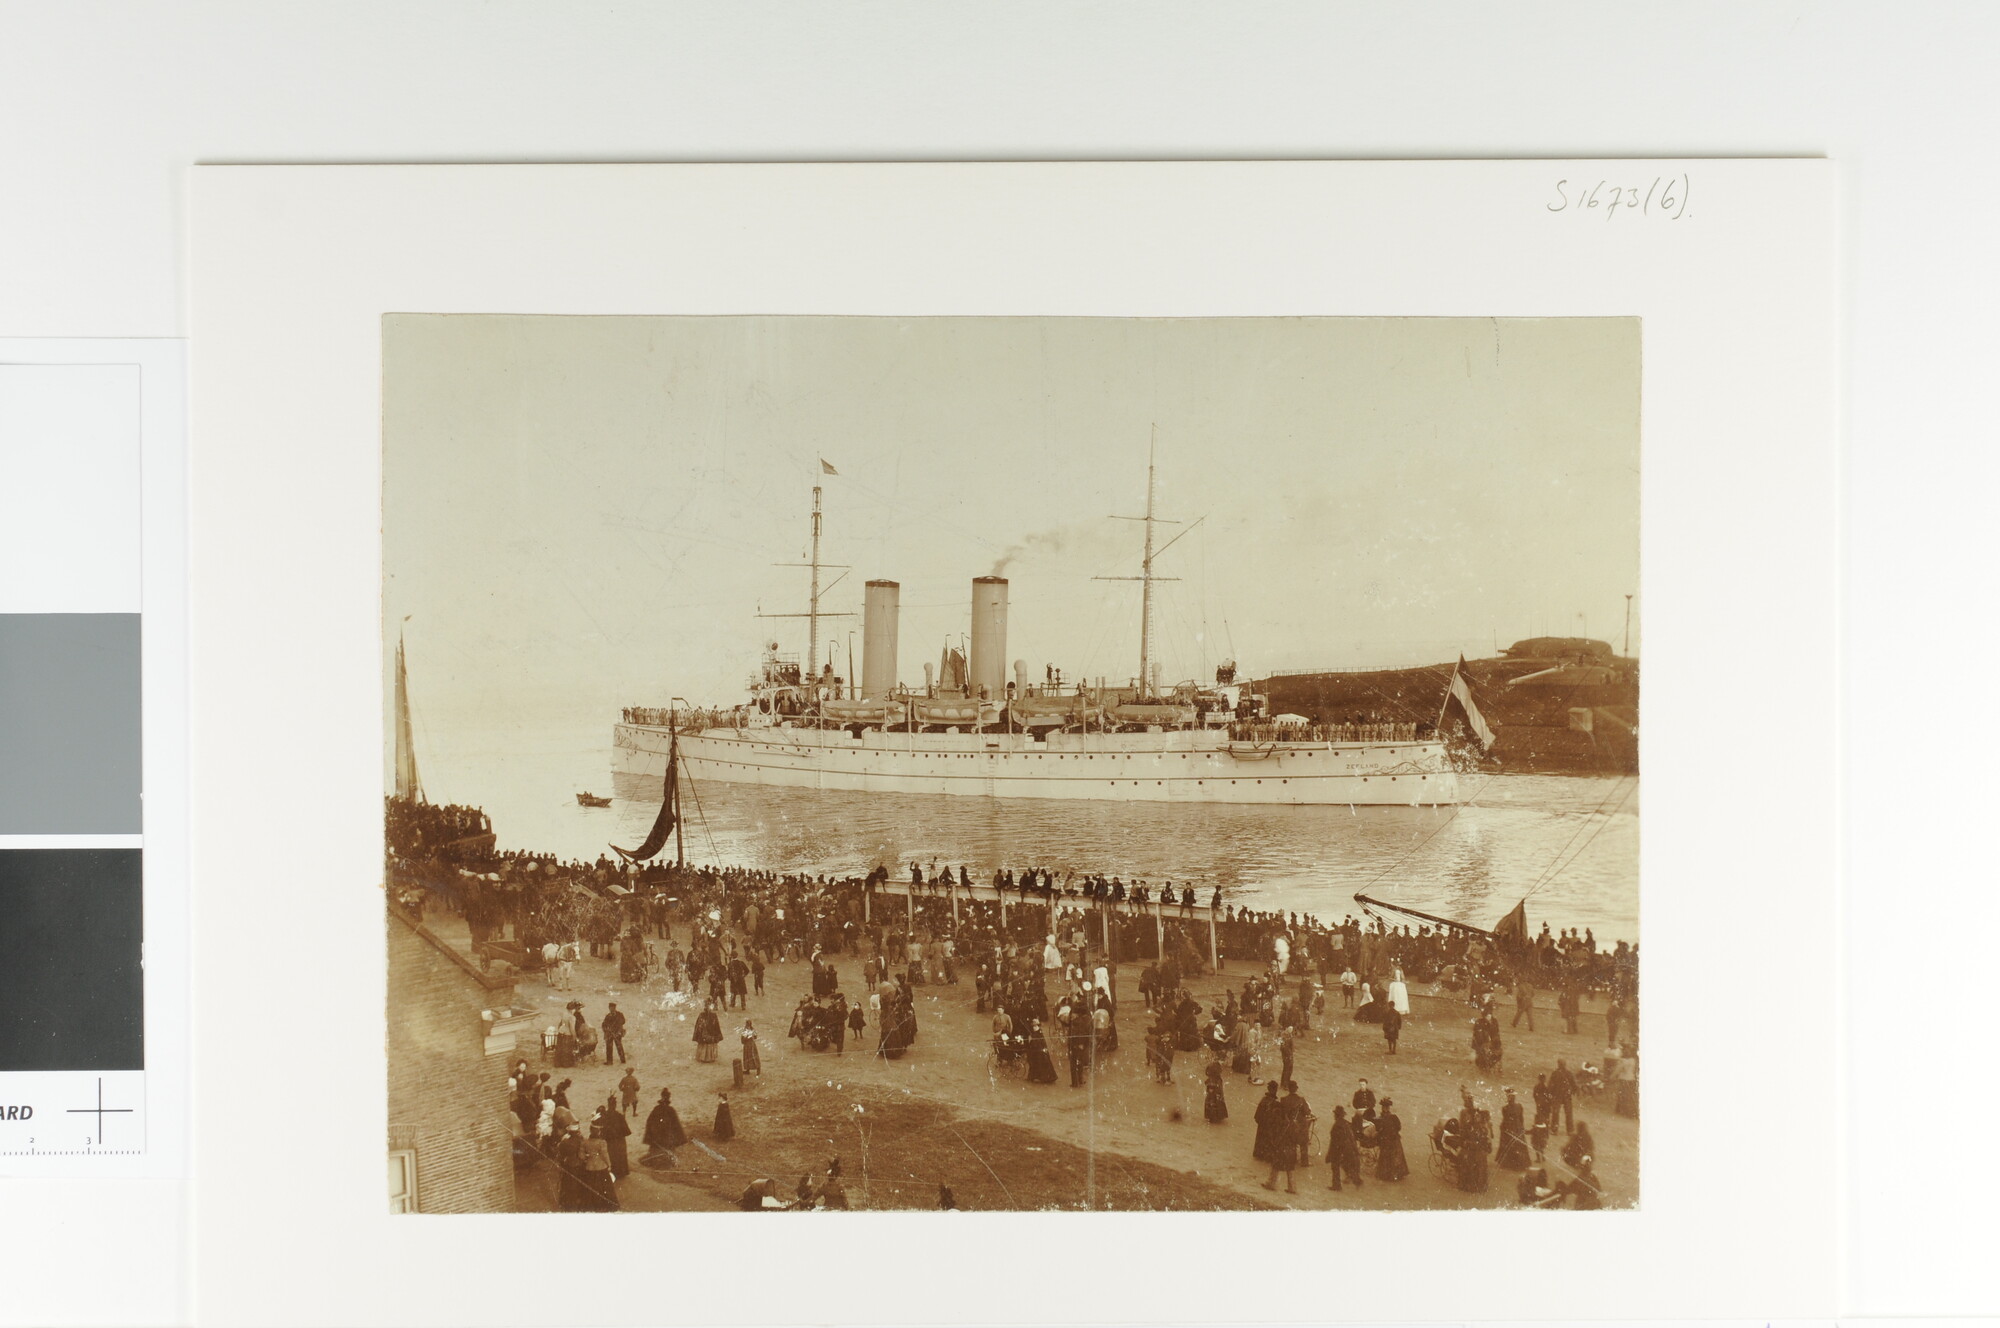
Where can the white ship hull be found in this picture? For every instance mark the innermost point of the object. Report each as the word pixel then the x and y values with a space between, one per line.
pixel 1186 766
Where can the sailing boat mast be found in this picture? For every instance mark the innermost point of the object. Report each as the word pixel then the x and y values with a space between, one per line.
pixel 409 787
pixel 674 785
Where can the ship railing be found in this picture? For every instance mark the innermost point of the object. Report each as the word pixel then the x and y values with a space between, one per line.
pixel 1323 733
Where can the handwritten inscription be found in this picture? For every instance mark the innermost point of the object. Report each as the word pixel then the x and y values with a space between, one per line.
pixel 1666 196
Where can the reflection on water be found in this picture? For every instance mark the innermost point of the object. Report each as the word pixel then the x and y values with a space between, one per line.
pixel 1570 843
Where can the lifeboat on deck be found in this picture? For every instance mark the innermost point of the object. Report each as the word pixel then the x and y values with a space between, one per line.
pixel 1034 711
pixel 954 711
pixel 882 713
pixel 1167 716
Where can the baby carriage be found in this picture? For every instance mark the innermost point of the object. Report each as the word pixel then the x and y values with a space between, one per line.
pixel 1010 1055
pixel 1369 1141
pixel 819 1021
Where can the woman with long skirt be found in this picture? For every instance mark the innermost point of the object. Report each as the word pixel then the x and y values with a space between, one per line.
pixel 1269 1127
pixel 707 1034
pixel 1625 1079
pixel 572 1195
pixel 1213 1106
pixel 752 1062
pixel 600 1185
pixel 663 1130
pixel 1343 1155
pixel 616 1129
pixel 1390 1164
pixel 1041 1070
pixel 1513 1152
pixel 725 1119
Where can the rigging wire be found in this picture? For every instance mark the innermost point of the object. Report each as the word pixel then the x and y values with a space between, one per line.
pixel 1432 835
pixel 1597 829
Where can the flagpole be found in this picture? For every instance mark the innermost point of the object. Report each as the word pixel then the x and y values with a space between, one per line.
pixel 1446 705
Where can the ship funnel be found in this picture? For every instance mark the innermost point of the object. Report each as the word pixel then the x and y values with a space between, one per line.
pixel 1020 677
pixel 880 608
pixel 989 636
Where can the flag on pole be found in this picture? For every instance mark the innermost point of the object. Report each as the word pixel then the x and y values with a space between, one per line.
pixel 1512 931
pixel 1461 692
pixel 826 467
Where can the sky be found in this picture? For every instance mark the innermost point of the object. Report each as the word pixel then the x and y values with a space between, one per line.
pixel 584 513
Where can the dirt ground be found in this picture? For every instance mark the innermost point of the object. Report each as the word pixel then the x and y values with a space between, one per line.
pixel 941 1113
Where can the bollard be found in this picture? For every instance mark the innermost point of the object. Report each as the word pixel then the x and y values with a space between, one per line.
pixel 736 1071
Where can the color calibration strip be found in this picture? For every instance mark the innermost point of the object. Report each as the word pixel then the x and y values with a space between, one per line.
pixel 77 850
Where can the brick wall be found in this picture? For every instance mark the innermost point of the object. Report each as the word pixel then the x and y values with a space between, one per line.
pixel 447 1097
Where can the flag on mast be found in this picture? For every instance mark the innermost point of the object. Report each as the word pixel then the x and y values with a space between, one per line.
pixel 826 467
pixel 1461 692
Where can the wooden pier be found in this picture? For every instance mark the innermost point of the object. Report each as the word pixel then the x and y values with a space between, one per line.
pixel 1157 909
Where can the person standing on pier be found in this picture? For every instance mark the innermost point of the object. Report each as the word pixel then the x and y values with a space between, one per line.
pixel 1524 1002
pixel 614 1034
pixel 1392 1027
pixel 1343 1154
pixel 1562 1097
pixel 1214 1106
pixel 1513 1150
pixel 1390 1164
pixel 663 1131
pixel 707 1034
pixel 1570 1005
pixel 1080 1038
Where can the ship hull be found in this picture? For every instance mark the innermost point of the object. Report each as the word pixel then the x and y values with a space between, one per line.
pixel 1178 767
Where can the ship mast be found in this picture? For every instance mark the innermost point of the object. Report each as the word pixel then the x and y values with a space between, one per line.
pixel 1146 577
pixel 812 618
pixel 810 674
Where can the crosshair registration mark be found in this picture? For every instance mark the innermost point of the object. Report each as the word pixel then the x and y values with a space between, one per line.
pixel 100 1111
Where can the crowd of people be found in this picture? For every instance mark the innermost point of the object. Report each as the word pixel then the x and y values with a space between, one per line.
pixel 1042 971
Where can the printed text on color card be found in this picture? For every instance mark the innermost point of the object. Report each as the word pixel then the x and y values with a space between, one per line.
pixel 1665 196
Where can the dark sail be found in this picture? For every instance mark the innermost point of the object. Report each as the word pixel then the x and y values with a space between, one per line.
pixel 1512 931
pixel 670 811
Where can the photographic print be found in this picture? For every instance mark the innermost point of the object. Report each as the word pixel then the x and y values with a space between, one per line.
pixel 1011 763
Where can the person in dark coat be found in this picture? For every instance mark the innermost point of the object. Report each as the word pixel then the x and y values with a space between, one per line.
pixel 1364 1098
pixel 1343 1155
pixel 663 1130
pixel 1562 1098
pixel 1041 1070
pixel 1390 1164
pixel 1213 1106
pixel 598 1179
pixel 1475 1141
pixel 616 1129
pixel 1265 1148
pixel 1513 1151
pixel 1293 1119
pixel 613 1029
pixel 1392 1026
pixel 1584 1189
pixel 1079 1046
pixel 1544 1104
pixel 572 1193
pixel 725 1120
pixel 707 1034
